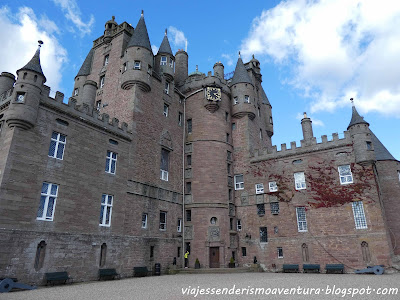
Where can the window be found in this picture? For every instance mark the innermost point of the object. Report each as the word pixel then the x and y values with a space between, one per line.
pixel 260 134
pixel 304 252
pixel 188 188
pixel 235 100
pixel 230 194
pixel 228 155
pixel 106 209
pixel 164 164
pixel 228 168
pixel 263 235
pixel 179 252
pixel 136 65
pixel 163 61
pixel 274 208
pixel 369 145
pixel 39 257
pixel 57 145
pixel 171 62
pixel 103 254
pixel 239 225
pixel 111 162
pixel 151 251
pixel 226 116
pixel 246 99
pixel 359 215
pixel 261 209
pixel 280 252
pixel 98 105
pixel 163 220
pixel 270 120
pixel 166 89
pixel 106 58
pixel 276 230
pixel 166 110
pixel 144 220
pixel 124 67
pixel 188 215
pixel 230 223
pixel 345 174
pixel 227 137
pixel 244 252
pixel 299 181
pixel 47 203
pixel 76 92
pixel 149 69
pixel 213 221
pixel 258 111
pixel 189 125
pixel 259 188
pixel 189 160
pixel 239 182
pixel 179 227
pixel 233 126
pixel 272 186
pixel 365 252
pixel 102 78
pixel 301 219
pixel 180 118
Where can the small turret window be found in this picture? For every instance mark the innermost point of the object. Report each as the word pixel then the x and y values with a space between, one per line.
pixel 270 120
pixel 166 90
pixel 171 62
pixel 124 67
pixel 76 92
pixel 246 99
pixel 235 100
pixel 369 145
pixel 102 79
pixel 166 110
pixel 136 65
pixel 163 61
pixel 20 97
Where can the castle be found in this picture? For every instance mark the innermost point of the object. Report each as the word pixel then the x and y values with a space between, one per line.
pixel 146 161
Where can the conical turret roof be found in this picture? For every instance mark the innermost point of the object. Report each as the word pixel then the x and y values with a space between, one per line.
pixel 165 46
pixel 264 98
pixel 87 65
pixel 381 153
pixel 140 37
pixel 34 63
pixel 240 75
pixel 356 118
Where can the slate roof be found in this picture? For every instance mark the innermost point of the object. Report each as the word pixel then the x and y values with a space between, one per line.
pixel 240 75
pixel 87 65
pixel 34 64
pixel 381 153
pixel 165 46
pixel 356 118
pixel 140 37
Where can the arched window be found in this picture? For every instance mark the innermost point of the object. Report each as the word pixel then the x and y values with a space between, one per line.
pixel 365 252
pixel 40 252
pixel 103 253
pixel 304 252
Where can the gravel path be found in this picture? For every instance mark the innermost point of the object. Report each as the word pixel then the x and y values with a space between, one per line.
pixel 170 287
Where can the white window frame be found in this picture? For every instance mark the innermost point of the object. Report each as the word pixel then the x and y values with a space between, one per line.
pixel 144 222
pixel 235 100
pixel 58 142
pixel 239 225
pixel 98 105
pixel 280 248
pixel 163 225
pixel 166 89
pixel 359 215
pixel 163 175
pixel 171 62
pixel 165 112
pixel 76 92
pixel 300 183
pixel 273 187
pixel 106 203
pixel 106 60
pixel 343 177
pixel 239 185
pixel 179 227
pixel 102 80
pixel 47 194
pixel 259 188
pixel 137 65
pixel 111 160
pixel 246 99
pixel 163 61
pixel 301 219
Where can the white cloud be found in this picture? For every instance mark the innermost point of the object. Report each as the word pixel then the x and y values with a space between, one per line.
pixel 314 121
pixel 177 37
pixel 336 50
pixel 26 29
pixel 73 13
pixel 228 59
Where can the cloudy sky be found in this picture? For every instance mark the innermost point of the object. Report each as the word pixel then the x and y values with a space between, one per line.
pixel 315 55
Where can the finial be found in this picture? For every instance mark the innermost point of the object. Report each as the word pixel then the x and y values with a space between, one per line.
pixel 197 68
pixel 142 13
pixel 253 56
pixel 239 54
pixel 165 31
pixel 352 101
pixel 40 43
pixel 113 18
pixel 305 115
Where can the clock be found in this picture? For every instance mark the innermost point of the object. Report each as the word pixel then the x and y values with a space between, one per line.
pixel 213 94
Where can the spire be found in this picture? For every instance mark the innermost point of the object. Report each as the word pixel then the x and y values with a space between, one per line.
pixel 87 65
pixel 140 37
pixel 355 117
pixel 381 153
pixel 34 63
pixel 240 73
pixel 165 47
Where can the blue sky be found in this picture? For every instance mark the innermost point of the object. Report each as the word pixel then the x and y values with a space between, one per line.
pixel 315 55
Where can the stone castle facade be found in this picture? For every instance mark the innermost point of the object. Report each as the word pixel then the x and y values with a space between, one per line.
pixel 146 161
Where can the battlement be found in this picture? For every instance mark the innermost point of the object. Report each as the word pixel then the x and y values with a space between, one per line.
pixel 305 147
pixel 85 114
pixel 120 28
pixel 196 81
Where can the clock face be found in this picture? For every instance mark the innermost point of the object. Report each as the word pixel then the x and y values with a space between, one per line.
pixel 213 94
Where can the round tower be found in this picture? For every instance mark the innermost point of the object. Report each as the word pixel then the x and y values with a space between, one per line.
pixel 165 60
pixel 306 125
pixel 7 81
pixel 362 139
pixel 89 93
pixel 181 67
pixel 138 59
pixel 81 77
pixel 219 70
pixel 109 29
pixel 24 105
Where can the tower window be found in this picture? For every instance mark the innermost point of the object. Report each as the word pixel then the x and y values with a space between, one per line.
pixel 246 99
pixel 20 97
pixel 76 92
pixel 230 195
pixel 239 182
pixel 39 257
pixel 111 162
pixel 263 235
pixel 166 90
pixel 188 188
pixel 103 254
pixel 270 120
pixel 272 186
pixel 149 69
pixel 164 164
pixel 163 61
pixel 228 168
pixel 189 160
pixel 239 225
pixel 235 100
pixel 258 111
pixel 359 215
pixel 189 125
pixel 299 181
pixel 188 215
pixel 124 67
pixel 345 174
pixel 106 210
pixel 233 126
pixel 102 78
pixel 226 116
pixel 171 62
pixel 144 220
pixel 227 137
pixel 259 188
pixel 98 105
pixel 301 219
pixel 136 65
pixel 166 110
pixel 163 220
pixel 280 252
pixel 57 145
pixel 179 227
pixel 180 118
pixel 228 155
pixel 47 203
pixel 106 58
pixel 261 134
pixel 369 145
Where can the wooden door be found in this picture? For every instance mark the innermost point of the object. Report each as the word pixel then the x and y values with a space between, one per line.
pixel 214 257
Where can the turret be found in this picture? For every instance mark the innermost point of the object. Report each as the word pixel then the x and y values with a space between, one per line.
pixel 181 67
pixel 110 26
pixel 24 105
pixel 362 139
pixel 81 77
pixel 219 70
pixel 165 60
pixel 269 123
pixel 243 96
pixel 89 93
pixel 7 81
pixel 138 59
pixel 306 125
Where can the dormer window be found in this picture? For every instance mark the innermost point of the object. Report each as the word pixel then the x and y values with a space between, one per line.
pixel 102 78
pixel 136 65
pixel 166 90
pixel 246 99
pixel 106 58
pixel 171 62
pixel 163 61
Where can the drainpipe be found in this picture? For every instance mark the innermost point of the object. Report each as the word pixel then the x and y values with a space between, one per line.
pixel 183 181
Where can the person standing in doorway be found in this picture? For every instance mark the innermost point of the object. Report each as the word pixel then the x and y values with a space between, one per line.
pixel 186 256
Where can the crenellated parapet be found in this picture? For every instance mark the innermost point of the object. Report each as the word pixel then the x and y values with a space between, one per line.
pixel 309 147
pixel 117 30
